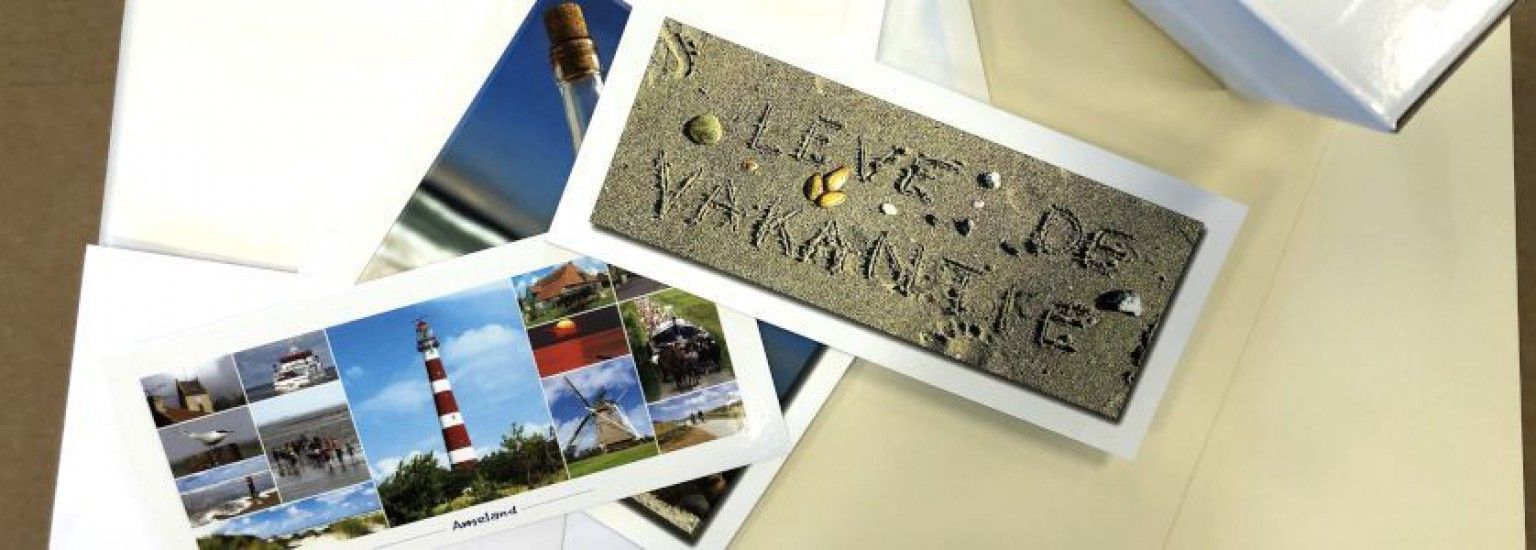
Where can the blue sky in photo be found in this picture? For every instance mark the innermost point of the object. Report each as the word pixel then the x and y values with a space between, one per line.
pixel 317 511
pixel 255 364
pixel 222 473
pixel 618 377
pixel 513 139
pixel 520 283
pixel 677 407
pixel 485 351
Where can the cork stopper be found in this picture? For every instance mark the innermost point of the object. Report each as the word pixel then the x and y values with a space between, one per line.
pixel 571 50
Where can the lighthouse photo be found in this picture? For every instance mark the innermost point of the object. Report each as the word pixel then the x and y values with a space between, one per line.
pixel 447 402
pixel 455 436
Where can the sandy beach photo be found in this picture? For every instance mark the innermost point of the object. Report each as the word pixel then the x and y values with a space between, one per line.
pixel 323 520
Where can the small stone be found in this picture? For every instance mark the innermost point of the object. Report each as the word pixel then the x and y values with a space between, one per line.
pixel 965 226
pixel 749 165
pixel 704 130
pixel 992 180
pixel 1123 301
pixel 836 179
pixel 831 199
pixel 978 204
pixel 889 209
pixel 1009 248
pixel 931 219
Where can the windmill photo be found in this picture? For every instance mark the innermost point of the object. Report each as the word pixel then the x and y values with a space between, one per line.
pixel 613 427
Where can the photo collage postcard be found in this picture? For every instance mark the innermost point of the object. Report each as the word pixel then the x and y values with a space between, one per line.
pixel 443 404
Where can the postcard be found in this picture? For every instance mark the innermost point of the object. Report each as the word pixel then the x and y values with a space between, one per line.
pixel 474 396
pixel 490 186
pixel 708 512
pixel 977 252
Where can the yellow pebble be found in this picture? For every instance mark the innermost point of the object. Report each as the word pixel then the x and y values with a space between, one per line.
pixel 831 199
pixel 836 179
pixel 814 187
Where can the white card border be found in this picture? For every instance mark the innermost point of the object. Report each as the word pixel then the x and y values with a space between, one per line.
pixel 815 386
pixel 763 437
pixel 1222 217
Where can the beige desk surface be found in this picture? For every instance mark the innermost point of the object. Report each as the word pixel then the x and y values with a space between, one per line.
pixel 1355 378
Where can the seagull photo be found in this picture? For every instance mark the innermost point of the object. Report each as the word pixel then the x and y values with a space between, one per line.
pixel 210 438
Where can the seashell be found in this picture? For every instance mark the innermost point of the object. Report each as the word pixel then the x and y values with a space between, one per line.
pixel 889 209
pixel 704 129
pixel 836 179
pixel 831 199
pixel 1123 301
pixel 992 180
pixel 814 187
pixel 978 204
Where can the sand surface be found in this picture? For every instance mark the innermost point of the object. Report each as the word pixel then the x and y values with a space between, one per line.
pixel 1011 279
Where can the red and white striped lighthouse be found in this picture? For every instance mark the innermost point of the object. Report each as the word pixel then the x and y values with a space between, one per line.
pixel 455 436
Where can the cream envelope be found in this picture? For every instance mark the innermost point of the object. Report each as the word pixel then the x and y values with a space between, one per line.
pixel 644 522
pixel 284 429
pixel 1221 218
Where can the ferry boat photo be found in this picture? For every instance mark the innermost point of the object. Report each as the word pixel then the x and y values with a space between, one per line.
pixel 296 370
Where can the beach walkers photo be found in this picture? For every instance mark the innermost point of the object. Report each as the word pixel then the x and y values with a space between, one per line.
pixel 310 441
pixel 698 417
pixel 448 402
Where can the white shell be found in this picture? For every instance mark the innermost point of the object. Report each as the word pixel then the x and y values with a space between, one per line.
pixel 1130 303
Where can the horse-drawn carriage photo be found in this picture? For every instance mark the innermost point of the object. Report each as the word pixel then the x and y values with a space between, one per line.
pixel 677 341
pixel 685 353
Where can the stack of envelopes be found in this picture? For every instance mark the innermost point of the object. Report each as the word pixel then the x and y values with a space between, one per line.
pixel 657 237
